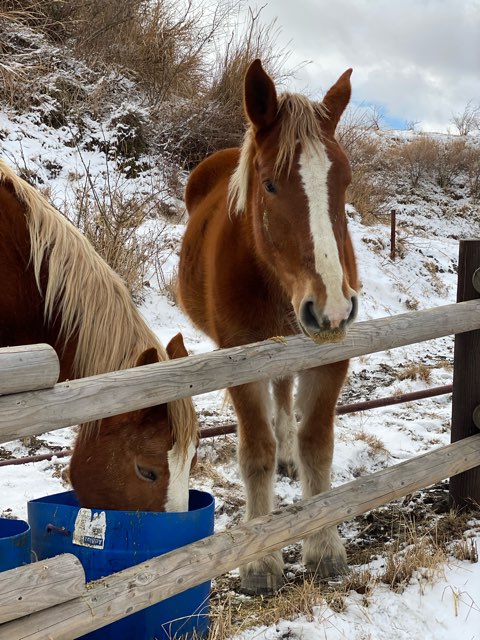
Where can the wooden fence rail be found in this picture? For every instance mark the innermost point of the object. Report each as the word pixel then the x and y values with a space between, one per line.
pixel 27 368
pixel 77 401
pixel 133 589
pixel 40 585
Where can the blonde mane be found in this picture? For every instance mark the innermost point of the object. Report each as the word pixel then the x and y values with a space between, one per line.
pixel 299 124
pixel 91 299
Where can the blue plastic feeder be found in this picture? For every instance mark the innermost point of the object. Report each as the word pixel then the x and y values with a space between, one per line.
pixel 15 545
pixel 108 541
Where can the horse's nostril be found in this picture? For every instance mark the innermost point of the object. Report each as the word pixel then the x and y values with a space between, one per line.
pixel 310 320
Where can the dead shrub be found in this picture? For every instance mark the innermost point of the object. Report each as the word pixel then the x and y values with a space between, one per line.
pixel 214 119
pixel 468 120
pixel 368 194
pixel 415 157
pixel 155 43
pixel 472 167
pixel 112 220
pixel 355 127
pixel 450 160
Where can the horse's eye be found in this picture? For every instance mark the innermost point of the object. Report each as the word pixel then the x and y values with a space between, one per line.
pixel 269 186
pixel 145 474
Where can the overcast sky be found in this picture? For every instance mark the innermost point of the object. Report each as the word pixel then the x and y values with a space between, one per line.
pixel 418 60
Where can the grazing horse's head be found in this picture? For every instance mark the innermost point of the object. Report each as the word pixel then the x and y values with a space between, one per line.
pixel 134 462
pixel 291 177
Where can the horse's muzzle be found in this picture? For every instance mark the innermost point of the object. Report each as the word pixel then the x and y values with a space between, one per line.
pixel 320 327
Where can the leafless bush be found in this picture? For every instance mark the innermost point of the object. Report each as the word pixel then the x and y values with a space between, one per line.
pixel 472 163
pixel 355 127
pixel 416 157
pixel 468 120
pixel 449 161
pixel 124 229
pixel 367 191
pixel 214 119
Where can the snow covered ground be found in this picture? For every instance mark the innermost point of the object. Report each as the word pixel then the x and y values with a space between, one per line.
pixel 446 605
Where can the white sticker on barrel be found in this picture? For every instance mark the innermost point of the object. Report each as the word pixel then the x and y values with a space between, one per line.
pixel 90 530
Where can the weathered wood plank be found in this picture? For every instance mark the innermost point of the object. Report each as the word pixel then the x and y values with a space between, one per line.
pixel 138 587
pixel 78 401
pixel 40 585
pixel 28 368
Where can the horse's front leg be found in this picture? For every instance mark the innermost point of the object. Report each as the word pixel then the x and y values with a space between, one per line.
pixel 257 457
pixel 285 427
pixel 323 553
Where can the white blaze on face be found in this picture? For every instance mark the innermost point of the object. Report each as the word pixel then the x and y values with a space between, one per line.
pixel 179 468
pixel 314 168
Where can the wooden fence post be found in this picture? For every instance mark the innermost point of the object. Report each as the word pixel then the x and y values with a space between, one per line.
pixel 465 487
pixel 393 234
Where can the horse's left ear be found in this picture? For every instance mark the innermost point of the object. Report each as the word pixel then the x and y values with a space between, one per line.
pixel 176 347
pixel 260 96
pixel 336 100
pixel 149 356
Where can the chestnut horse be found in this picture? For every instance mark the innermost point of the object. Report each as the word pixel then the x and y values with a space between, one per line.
pixel 56 289
pixel 266 253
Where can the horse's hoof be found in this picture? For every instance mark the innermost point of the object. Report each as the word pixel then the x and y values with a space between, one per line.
pixel 328 568
pixel 261 584
pixel 288 470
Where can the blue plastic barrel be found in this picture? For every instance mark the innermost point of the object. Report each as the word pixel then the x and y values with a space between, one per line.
pixel 108 541
pixel 15 545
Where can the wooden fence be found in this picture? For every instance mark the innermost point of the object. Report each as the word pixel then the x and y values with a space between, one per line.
pixel 60 611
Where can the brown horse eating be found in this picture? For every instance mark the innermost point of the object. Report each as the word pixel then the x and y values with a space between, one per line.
pixel 267 253
pixel 56 289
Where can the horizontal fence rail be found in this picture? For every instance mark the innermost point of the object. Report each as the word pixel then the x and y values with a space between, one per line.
pixel 77 401
pixel 40 585
pixel 231 427
pixel 133 589
pixel 27 368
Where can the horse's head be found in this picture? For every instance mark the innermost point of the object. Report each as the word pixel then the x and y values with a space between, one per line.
pixel 297 178
pixel 134 463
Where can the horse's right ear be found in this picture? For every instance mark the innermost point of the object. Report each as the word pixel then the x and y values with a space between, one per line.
pixel 260 96
pixel 176 348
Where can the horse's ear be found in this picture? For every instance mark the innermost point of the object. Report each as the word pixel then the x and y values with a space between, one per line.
pixel 149 356
pixel 176 348
pixel 336 100
pixel 260 96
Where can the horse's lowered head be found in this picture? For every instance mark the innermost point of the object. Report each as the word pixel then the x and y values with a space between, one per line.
pixel 291 178
pixel 134 462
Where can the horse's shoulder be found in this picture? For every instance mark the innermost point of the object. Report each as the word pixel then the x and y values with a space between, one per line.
pixel 211 172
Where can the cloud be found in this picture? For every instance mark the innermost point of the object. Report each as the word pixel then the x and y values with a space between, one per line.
pixel 418 59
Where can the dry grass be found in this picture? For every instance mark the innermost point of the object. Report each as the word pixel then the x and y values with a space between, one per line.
pixel 465 550
pixel 423 558
pixel 416 371
pixel 414 542
pixel 376 446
